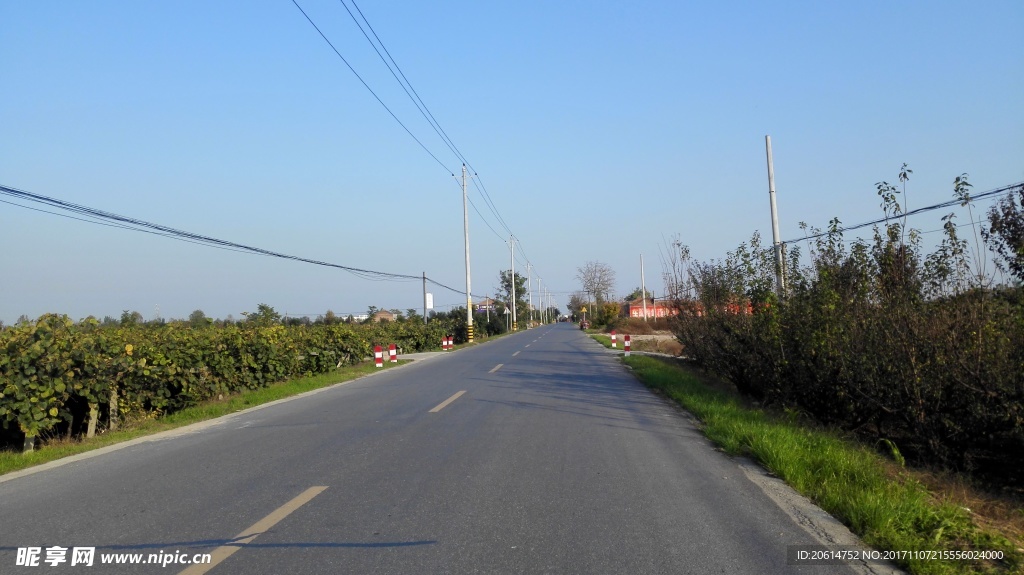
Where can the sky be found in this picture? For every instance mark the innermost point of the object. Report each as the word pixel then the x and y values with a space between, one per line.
pixel 598 130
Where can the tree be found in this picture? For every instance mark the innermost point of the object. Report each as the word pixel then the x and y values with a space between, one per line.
pixel 1005 235
pixel 131 318
pixel 505 289
pixel 198 319
pixel 412 316
pixel 635 294
pixel 598 280
pixel 263 316
pixel 577 301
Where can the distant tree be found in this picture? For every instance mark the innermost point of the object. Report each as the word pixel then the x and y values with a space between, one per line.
pixel 635 294
pixel 598 280
pixel 577 301
pixel 131 318
pixel 412 316
pixel 198 319
pixel 1005 235
pixel 264 315
pixel 330 318
pixel 350 319
pixel 504 290
pixel 109 321
pixel 22 320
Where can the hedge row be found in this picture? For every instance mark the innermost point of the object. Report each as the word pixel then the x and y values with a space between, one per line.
pixel 56 373
pixel 877 339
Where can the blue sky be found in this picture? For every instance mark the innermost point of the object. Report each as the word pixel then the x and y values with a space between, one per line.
pixel 598 128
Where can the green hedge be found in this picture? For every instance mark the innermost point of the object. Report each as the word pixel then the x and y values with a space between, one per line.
pixel 55 373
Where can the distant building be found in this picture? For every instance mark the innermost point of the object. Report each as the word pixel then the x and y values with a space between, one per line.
pixel 487 304
pixel 655 308
pixel 383 315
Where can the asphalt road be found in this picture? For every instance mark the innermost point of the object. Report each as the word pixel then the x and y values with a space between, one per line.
pixel 553 459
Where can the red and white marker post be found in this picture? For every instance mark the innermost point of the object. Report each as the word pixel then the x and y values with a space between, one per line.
pixel 393 353
pixel 378 356
pixel 625 343
pixel 614 342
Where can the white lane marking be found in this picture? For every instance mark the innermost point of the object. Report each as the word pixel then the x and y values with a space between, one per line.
pixel 262 526
pixel 445 403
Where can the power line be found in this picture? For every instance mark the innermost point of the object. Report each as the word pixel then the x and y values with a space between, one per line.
pixel 1010 188
pixel 367 86
pixel 424 110
pixel 143 226
pixel 403 81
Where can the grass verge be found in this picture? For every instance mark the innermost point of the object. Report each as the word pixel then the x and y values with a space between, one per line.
pixel 884 505
pixel 56 449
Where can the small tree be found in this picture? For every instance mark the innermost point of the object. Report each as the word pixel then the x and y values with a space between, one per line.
pixel 1005 235
pixel 263 316
pixel 131 318
pixel 198 319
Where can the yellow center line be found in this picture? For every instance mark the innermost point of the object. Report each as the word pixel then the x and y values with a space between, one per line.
pixel 262 526
pixel 445 403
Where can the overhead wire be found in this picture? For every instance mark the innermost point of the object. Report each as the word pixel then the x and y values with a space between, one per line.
pixel 367 86
pixel 141 225
pixel 1001 190
pixel 411 92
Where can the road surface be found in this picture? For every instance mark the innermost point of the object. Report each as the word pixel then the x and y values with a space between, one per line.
pixel 534 453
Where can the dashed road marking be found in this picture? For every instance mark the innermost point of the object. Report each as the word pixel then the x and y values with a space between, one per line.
pixel 262 526
pixel 445 403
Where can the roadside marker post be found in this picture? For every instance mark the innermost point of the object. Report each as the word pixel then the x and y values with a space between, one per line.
pixel 614 343
pixel 625 344
pixel 393 353
pixel 378 355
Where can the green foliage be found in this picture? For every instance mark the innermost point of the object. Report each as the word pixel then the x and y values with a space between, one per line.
pixel 504 290
pixel 50 366
pixel 1006 233
pixel 911 351
pixel 844 479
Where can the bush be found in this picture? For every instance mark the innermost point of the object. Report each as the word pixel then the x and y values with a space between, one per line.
pixel 876 338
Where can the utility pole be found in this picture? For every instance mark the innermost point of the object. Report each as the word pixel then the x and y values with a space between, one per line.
pixel 643 287
pixel 529 296
pixel 780 277
pixel 424 297
pixel 540 302
pixel 512 259
pixel 469 290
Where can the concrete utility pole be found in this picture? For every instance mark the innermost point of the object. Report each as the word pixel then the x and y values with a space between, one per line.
pixel 469 290
pixel 643 287
pixel 512 258
pixel 424 297
pixel 529 296
pixel 540 302
pixel 780 276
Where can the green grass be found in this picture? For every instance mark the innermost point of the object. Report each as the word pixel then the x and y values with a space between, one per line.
pixel 52 451
pixel 886 509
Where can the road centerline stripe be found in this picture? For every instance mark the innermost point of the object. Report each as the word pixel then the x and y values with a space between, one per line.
pixel 445 403
pixel 497 367
pixel 255 530
pixel 515 354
